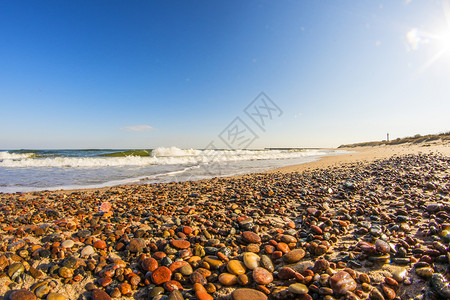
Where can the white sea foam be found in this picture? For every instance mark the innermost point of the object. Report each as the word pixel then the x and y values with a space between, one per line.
pixel 6 155
pixel 160 156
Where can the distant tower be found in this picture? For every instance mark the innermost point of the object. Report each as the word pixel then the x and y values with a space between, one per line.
pixel 387 137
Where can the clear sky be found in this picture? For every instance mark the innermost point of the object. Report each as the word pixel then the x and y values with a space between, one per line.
pixel 145 74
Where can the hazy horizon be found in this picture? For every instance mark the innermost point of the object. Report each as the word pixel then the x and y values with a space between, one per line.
pixel 142 75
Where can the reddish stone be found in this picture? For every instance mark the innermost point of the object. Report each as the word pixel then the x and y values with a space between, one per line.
pixel 181 244
pixel 342 282
pixel 100 295
pixel 201 293
pixel 161 275
pixel 251 237
pixel 204 272
pixel 99 244
pixel 316 229
pixel 388 292
pixel 176 265
pixel 104 281
pixel 149 264
pixel 159 255
pixel 283 247
pixel 294 256
pixel 262 276
pixel 276 255
pixel 391 281
pixel 125 288
pixel 22 295
pixel 286 273
pixel 187 230
pixel 172 285
pixel 269 249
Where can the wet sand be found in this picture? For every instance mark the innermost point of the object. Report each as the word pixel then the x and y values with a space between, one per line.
pixel 371 224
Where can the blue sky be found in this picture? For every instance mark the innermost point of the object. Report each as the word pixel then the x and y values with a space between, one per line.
pixel 144 74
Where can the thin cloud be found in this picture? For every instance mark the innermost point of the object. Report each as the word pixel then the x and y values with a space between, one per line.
pixel 138 128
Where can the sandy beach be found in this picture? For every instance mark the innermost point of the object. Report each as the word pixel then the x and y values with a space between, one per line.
pixel 372 224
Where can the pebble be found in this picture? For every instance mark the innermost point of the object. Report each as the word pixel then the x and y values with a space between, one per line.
pixel 294 256
pixel 425 272
pixel 262 276
pixel 298 288
pixel 400 274
pixel 22 295
pixel 55 296
pixel 236 267
pixel 342 282
pixel 136 245
pixel 251 237
pixel 161 275
pixel 251 260
pixel 246 294
pixel 87 251
pixel 67 244
pixel 228 279
pixel 98 294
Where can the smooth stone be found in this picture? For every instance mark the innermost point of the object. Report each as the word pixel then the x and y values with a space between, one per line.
pixel 251 260
pixel 213 261
pixel 149 264
pixel 228 279
pixel 251 237
pixel 99 244
pixel 425 272
pixel 186 270
pixel 67 244
pixel 342 282
pixel 298 288
pixel 388 292
pixel 400 274
pixel 266 262
pixel 161 275
pixel 55 296
pixel 87 251
pixel 181 244
pixel 262 276
pixel 175 295
pixel 236 267
pixel 98 294
pixel 136 245
pixel 294 256
pixel 157 290
pixel 382 247
pixel 41 291
pixel 246 294
pixel 22 295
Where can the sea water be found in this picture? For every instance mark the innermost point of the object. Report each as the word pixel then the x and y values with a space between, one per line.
pixel 32 170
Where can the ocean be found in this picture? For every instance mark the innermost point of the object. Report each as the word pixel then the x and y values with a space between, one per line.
pixel 34 170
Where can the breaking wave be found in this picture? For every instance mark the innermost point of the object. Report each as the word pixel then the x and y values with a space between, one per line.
pixel 159 156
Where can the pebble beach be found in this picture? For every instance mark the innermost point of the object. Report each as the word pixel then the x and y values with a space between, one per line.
pixel 369 225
